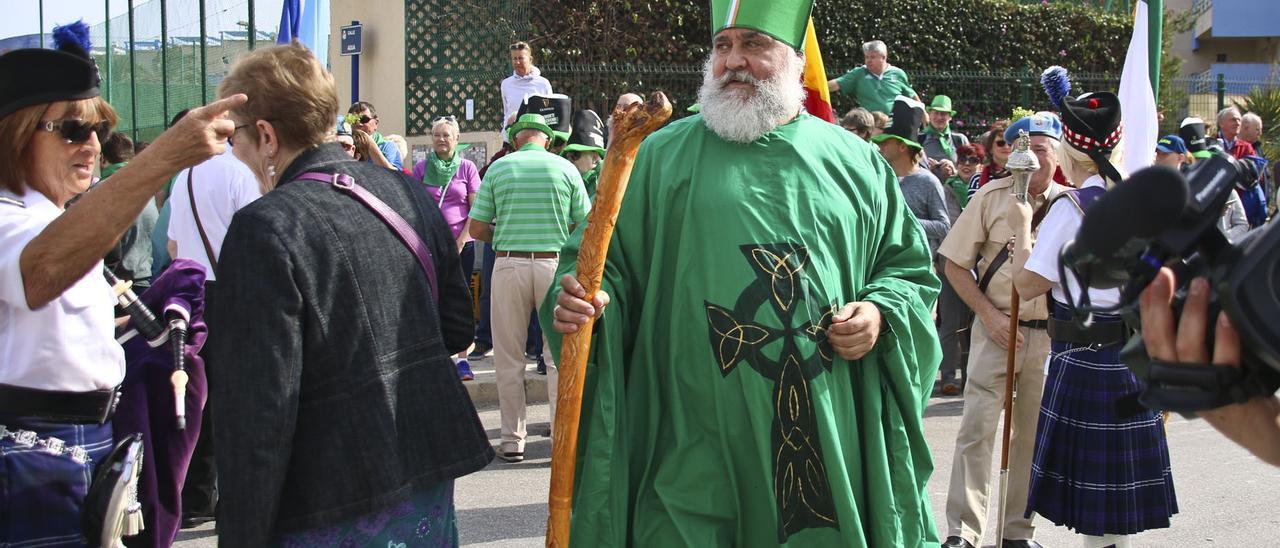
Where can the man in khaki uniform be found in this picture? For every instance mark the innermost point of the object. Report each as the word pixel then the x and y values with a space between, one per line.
pixel 979 236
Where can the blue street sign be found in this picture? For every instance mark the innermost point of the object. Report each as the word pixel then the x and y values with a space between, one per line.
pixel 350 40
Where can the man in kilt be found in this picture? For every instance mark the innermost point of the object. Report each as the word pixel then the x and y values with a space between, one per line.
pixel 1101 474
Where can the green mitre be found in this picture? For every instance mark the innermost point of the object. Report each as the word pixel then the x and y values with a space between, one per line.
pixel 784 20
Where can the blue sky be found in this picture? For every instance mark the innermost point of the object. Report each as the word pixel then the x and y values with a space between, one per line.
pixel 22 16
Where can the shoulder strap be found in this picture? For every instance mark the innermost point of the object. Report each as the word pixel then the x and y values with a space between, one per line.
pixel 204 238
pixel 1003 255
pixel 347 185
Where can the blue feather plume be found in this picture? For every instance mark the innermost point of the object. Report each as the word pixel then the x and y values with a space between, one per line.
pixel 1056 84
pixel 73 38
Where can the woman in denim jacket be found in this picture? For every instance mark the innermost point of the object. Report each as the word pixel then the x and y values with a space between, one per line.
pixel 336 402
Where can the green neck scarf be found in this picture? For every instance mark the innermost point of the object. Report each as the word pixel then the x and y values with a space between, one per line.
pixel 111 169
pixel 378 139
pixel 439 172
pixel 944 137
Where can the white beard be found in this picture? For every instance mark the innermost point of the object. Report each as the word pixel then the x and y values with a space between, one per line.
pixel 744 119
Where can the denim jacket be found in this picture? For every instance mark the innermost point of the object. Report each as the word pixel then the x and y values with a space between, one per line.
pixel 335 394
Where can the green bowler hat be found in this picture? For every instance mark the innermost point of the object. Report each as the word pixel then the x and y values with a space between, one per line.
pixel 784 20
pixel 941 103
pixel 529 121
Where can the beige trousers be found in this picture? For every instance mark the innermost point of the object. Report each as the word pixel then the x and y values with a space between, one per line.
pixel 969 496
pixel 519 285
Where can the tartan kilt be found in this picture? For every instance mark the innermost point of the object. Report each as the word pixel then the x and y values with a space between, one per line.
pixel 40 504
pixel 1093 471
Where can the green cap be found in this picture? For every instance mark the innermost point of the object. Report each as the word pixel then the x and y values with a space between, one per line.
pixel 529 121
pixel 941 103
pixel 784 20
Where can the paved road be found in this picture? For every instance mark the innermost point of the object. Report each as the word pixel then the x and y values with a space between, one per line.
pixel 1227 497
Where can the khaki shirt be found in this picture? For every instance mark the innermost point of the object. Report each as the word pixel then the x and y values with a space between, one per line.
pixel 981 231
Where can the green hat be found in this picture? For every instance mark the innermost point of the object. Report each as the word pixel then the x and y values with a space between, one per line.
pixel 941 103
pixel 587 135
pixel 904 123
pixel 784 20
pixel 529 121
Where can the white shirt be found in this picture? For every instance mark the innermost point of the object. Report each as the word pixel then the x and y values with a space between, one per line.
pixel 223 185
pixel 1058 228
pixel 516 88
pixel 66 345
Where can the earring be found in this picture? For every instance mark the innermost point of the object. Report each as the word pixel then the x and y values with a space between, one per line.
pixel 271 171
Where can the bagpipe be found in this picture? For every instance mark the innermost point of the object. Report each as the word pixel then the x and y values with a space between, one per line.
pixel 137 491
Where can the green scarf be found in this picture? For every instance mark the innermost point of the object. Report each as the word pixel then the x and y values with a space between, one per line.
pixel 111 169
pixel 439 172
pixel 960 187
pixel 944 137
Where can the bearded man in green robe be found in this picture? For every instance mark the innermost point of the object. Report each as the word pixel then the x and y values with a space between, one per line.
pixel 760 373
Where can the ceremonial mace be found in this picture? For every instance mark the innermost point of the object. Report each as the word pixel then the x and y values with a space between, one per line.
pixel 1022 163
pixel 633 124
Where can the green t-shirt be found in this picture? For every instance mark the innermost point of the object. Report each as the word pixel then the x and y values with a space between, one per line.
pixel 533 196
pixel 876 94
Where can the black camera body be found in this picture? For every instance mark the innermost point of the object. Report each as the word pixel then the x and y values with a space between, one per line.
pixel 1244 277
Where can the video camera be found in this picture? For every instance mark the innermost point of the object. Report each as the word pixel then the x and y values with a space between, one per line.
pixel 1159 217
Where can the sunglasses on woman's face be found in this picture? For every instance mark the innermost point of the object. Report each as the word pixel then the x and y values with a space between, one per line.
pixel 1002 143
pixel 76 131
pixel 366 119
pixel 971 160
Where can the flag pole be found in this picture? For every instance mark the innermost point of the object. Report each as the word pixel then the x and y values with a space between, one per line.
pixel 1155 33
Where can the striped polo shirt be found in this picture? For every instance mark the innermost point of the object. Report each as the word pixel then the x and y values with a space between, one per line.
pixel 531 196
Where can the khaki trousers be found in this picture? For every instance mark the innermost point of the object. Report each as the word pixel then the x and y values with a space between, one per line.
pixel 519 284
pixel 969 495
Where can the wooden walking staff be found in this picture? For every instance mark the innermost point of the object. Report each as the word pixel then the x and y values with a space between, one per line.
pixel 633 125
pixel 1021 164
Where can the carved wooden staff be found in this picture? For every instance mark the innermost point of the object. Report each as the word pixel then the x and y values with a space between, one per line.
pixel 633 125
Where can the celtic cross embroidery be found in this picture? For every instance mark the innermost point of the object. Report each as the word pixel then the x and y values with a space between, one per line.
pixel 800 487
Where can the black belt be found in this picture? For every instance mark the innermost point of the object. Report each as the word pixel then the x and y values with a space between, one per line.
pixel 529 254
pixel 1034 324
pixel 1098 334
pixel 68 407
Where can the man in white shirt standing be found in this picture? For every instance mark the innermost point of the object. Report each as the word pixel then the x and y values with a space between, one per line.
pixel 203 201
pixel 525 80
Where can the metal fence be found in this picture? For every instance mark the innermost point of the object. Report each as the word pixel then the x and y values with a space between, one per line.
pixel 163 56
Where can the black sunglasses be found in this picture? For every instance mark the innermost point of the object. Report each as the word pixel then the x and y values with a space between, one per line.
pixel 971 160
pixel 366 119
pixel 1002 142
pixel 77 131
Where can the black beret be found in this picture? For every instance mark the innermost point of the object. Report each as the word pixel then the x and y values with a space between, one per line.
pixel 34 76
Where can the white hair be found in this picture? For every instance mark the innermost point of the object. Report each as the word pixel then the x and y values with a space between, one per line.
pixel 451 124
pixel 1251 118
pixel 743 120
pixel 875 46
pixel 1227 111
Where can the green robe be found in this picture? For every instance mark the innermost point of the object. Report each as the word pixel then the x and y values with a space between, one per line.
pixel 713 413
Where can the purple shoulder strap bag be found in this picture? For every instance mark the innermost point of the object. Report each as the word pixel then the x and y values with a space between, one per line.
pixel 347 185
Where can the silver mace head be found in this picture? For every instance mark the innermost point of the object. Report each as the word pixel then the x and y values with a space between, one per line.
pixel 1022 163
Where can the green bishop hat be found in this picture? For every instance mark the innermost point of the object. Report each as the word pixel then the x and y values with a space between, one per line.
pixel 784 20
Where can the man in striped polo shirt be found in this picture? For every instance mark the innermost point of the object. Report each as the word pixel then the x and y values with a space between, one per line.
pixel 529 202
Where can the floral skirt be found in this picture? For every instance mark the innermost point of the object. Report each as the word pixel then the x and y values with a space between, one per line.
pixel 426 519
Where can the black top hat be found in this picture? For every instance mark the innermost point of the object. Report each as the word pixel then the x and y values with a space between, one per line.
pixel 34 76
pixel 555 108
pixel 1192 133
pixel 904 123
pixel 588 133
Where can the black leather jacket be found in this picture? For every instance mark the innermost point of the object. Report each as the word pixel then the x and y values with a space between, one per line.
pixel 335 395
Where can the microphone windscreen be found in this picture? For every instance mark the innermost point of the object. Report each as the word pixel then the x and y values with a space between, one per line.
pixel 1144 205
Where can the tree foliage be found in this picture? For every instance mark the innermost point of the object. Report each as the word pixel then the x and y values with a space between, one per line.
pixel 594 50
